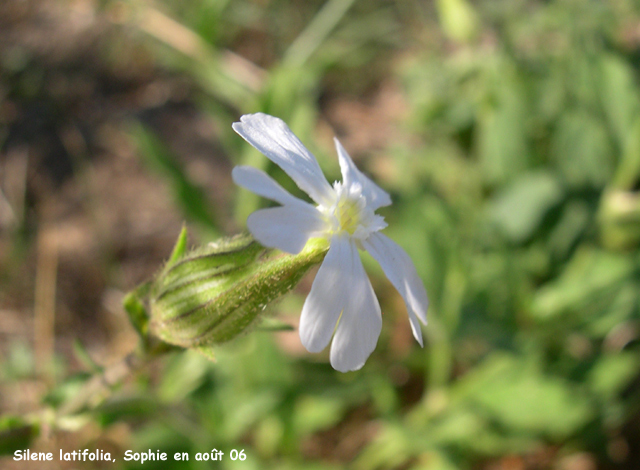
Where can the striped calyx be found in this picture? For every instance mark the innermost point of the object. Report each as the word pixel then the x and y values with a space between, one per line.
pixel 212 294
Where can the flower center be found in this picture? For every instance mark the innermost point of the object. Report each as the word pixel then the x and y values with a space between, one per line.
pixel 348 213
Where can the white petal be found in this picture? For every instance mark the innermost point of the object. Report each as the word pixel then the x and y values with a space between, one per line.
pixel 360 324
pixel 400 270
pixel 329 295
pixel 257 181
pixel 287 228
pixel 376 197
pixel 276 141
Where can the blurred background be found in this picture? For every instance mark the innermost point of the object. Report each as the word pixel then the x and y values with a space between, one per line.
pixel 507 133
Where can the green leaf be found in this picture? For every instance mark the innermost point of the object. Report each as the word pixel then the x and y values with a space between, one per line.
pixel 468 428
pixel 619 95
pixel 617 311
pixel 582 151
pixel 520 208
pixel 184 373
pixel 459 426
pixel 590 276
pixel 67 390
pixel 390 449
pixel 612 373
pixel 180 247
pixel 503 145
pixel 316 32
pixel 574 221
pixel 314 413
pixel 627 173
pixel 123 408
pixel 523 399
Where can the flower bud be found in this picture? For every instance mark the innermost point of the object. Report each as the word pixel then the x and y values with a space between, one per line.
pixel 212 294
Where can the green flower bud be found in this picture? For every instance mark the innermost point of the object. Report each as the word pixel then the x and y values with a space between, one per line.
pixel 212 294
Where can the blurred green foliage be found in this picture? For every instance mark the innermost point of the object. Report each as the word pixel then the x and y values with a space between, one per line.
pixel 515 192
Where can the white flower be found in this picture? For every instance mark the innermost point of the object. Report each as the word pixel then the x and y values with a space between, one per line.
pixel 341 292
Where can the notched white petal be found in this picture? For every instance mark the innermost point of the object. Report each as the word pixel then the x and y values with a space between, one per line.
pixel 376 196
pixel 402 273
pixel 361 321
pixel 276 141
pixel 286 228
pixel 329 295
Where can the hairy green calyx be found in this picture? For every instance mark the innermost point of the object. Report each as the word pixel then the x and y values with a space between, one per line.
pixel 212 294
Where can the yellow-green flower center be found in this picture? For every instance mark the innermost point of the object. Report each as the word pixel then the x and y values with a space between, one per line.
pixel 348 214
